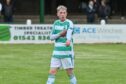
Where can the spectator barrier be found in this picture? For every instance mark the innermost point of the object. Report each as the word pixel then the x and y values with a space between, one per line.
pixel 83 33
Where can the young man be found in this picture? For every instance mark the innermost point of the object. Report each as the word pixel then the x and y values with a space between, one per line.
pixel 63 54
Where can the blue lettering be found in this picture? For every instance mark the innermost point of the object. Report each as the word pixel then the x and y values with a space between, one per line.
pixel 89 30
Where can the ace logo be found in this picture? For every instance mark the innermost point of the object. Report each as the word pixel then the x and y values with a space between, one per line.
pixel 76 30
pixel 89 30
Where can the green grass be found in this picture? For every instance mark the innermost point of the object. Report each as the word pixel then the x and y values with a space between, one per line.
pixel 94 64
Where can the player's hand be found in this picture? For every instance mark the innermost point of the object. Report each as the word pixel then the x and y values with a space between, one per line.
pixel 63 33
pixel 68 43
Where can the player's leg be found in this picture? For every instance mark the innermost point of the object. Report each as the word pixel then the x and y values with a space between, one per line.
pixel 68 65
pixel 71 75
pixel 55 64
pixel 51 76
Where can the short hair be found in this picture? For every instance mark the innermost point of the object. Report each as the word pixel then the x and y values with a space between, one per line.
pixel 61 7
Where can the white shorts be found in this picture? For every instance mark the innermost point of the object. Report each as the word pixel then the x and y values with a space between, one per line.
pixel 64 63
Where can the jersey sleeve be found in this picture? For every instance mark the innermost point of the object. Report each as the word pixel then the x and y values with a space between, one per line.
pixel 69 31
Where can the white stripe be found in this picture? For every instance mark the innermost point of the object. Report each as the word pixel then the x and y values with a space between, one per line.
pixel 60 44
pixel 62 52
pixel 59 27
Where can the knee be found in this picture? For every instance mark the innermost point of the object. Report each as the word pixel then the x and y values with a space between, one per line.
pixel 69 71
pixel 53 71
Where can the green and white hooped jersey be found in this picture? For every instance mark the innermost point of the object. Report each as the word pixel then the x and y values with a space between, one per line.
pixel 60 48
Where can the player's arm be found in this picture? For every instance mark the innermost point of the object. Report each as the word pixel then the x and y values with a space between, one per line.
pixel 54 36
pixel 69 34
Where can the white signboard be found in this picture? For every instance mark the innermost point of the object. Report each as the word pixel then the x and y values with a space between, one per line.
pixel 27 34
pixel 82 33
pixel 100 33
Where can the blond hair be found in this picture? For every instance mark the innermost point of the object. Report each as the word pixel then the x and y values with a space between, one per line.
pixel 61 7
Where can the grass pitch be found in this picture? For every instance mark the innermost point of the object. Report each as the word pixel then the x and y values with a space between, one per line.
pixel 94 64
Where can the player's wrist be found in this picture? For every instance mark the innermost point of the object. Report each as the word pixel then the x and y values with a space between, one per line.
pixel 68 43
